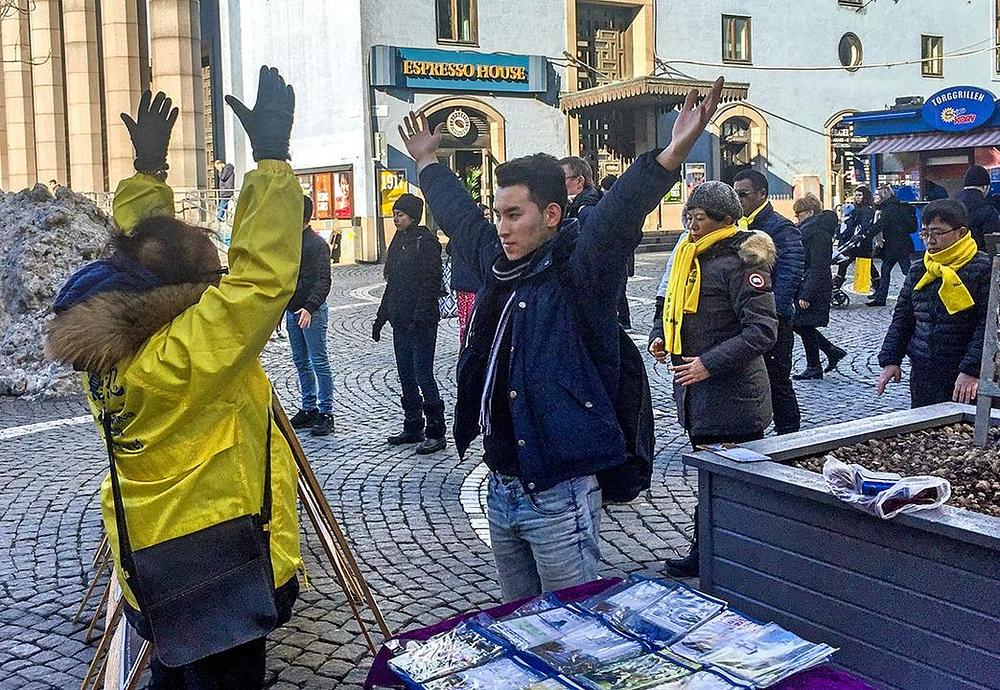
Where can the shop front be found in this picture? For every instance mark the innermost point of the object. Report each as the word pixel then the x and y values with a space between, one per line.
pixel 923 148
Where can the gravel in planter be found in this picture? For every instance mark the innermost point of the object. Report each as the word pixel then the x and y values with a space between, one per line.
pixel 943 452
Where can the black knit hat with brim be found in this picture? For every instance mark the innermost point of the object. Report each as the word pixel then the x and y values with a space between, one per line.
pixel 977 176
pixel 410 205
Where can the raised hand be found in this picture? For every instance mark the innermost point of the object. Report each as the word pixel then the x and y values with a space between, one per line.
pixel 690 123
pixel 150 131
pixel 421 143
pixel 269 124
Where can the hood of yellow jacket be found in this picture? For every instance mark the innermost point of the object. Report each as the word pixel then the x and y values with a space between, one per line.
pixel 98 333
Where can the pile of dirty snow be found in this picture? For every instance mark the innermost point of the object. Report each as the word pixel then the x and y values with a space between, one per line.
pixel 43 240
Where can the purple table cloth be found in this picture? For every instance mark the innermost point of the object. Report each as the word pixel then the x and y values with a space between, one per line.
pixel 381 676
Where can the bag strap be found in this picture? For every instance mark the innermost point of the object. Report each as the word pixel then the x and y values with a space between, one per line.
pixel 265 508
pixel 124 545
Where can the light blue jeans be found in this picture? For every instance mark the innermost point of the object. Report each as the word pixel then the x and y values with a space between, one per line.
pixel 544 540
pixel 311 360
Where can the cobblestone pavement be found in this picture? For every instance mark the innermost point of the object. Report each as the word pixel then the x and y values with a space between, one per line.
pixel 416 522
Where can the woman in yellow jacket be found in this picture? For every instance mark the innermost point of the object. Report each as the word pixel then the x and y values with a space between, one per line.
pixel 168 341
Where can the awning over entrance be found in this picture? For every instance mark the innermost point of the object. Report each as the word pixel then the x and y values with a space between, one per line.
pixel 648 91
pixel 933 142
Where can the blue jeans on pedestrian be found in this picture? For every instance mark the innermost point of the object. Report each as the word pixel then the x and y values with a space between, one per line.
pixel 311 361
pixel 414 348
pixel 543 540
pixel 220 210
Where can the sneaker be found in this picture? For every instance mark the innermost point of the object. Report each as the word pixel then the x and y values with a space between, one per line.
pixel 683 567
pixel 431 445
pixel 833 359
pixel 323 425
pixel 304 418
pixel 809 373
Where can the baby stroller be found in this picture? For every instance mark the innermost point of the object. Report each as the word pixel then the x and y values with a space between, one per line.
pixel 842 258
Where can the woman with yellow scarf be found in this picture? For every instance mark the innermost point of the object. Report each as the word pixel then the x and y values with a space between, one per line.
pixel 718 320
pixel 940 314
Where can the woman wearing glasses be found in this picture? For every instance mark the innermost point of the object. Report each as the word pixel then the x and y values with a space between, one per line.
pixel 940 314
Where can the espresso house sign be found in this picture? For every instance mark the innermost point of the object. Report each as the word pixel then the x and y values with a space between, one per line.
pixel 449 70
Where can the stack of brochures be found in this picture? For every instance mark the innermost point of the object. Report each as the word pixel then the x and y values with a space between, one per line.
pixel 643 634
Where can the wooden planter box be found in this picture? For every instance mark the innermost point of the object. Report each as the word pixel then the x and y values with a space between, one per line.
pixel 913 602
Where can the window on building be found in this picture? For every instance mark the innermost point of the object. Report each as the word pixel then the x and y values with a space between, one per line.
pixel 456 21
pixel 735 39
pixel 850 52
pixel 932 56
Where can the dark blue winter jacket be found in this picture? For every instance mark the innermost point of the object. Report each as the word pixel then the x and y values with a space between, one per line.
pixel 791 257
pixel 564 363
pixel 923 330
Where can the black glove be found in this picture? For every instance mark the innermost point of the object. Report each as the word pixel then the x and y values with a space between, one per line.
pixel 150 131
pixel 269 124
pixel 377 329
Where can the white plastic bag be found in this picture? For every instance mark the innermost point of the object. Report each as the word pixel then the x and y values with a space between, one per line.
pixel 908 495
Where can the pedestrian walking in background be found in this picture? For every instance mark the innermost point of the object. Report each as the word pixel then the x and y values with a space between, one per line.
pixel 812 308
pixel 719 321
pixel 940 314
pixel 410 305
pixel 857 227
pixel 306 319
pixel 758 214
pixel 895 222
pixel 227 183
pixel 983 218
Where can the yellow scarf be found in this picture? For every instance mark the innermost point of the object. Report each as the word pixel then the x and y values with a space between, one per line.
pixel 747 221
pixel 945 265
pixel 684 286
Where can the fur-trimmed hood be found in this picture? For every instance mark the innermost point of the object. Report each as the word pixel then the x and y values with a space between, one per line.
pixel 757 248
pixel 98 333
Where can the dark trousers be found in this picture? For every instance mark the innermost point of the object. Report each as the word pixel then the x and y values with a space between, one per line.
pixel 779 371
pixel 813 342
pixel 414 348
pixel 624 312
pixel 931 383
pixel 239 668
pixel 882 292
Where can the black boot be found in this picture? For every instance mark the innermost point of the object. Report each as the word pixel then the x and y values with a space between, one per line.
pixel 435 440
pixel 687 566
pixel 833 358
pixel 413 423
pixel 809 373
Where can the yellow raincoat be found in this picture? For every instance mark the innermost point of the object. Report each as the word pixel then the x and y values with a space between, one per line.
pixel 190 408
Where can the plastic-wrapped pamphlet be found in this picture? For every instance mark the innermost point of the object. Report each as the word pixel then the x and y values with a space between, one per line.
pixel 623 600
pixel 765 656
pixel 640 673
pixel 702 680
pixel 705 638
pixel 674 614
pixel 502 674
pixel 587 647
pixel 444 654
pixel 534 629
pixel 544 602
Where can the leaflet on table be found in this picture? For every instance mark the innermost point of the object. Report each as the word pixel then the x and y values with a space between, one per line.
pixel 713 634
pixel 506 673
pixel 701 680
pixel 585 647
pixel 621 601
pixel 765 656
pixel 534 629
pixel 639 673
pixel 543 602
pixel 456 650
pixel 673 615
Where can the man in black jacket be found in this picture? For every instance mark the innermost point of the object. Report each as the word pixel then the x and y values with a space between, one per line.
pixel 306 320
pixel 410 304
pixel 539 376
pixel 940 315
pixel 896 221
pixel 983 218
pixel 227 183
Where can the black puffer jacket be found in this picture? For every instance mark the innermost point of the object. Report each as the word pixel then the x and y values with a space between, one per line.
pixel 923 330
pixel 896 221
pixel 583 204
pixel 860 222
pixel 817 282
pixel 735 325
pixel 983 218
pixel 413 278
pixel 313 285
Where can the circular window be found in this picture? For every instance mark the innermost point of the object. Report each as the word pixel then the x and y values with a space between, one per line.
pixel 850 52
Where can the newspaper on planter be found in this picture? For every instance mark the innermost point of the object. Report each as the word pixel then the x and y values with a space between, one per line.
pixel 763 657
pixel 713 634
pixel 640 673
pixel 456 650
pixel 876 494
